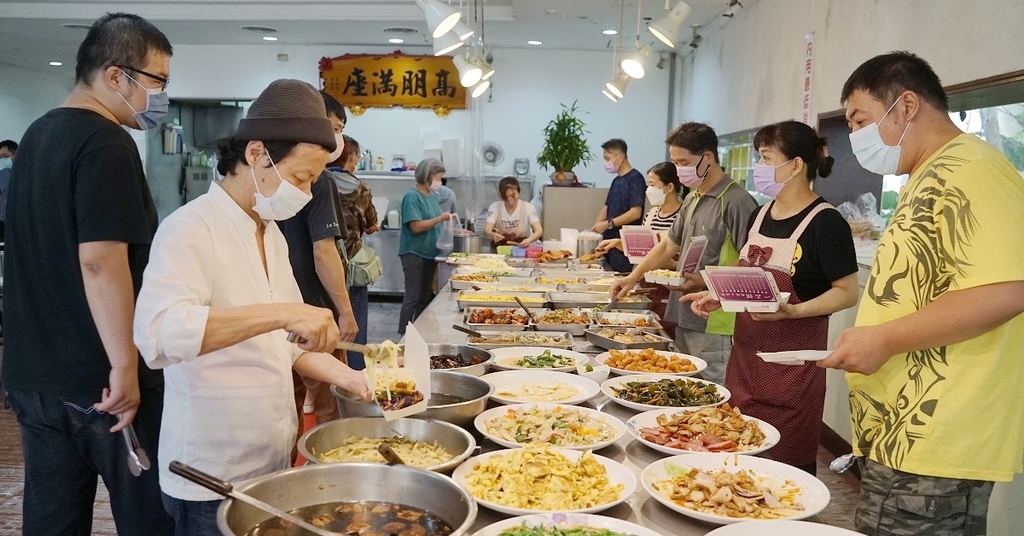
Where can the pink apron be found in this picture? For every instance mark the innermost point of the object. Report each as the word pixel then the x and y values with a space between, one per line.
pixel 789 397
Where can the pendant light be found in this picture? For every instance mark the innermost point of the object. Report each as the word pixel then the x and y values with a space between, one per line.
pixel 469 73
pixel 446 43
pixel 667 28
pixel 463 30
pixel 617 86
pixel 635 64
pixel 441 18
pixel 481 88
pixel 484 68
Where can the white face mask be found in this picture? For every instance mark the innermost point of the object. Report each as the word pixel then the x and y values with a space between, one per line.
pixel 339 138
pixel 656 196
pixel 286 202
pixel 872 152
pixel 435 186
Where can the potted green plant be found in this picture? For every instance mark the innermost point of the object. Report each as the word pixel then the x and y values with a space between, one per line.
pixel 565 144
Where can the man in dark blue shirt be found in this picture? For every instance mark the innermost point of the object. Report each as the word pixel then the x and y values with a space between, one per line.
pixel 625 202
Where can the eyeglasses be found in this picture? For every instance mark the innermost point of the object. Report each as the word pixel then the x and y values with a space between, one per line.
pixel 163 81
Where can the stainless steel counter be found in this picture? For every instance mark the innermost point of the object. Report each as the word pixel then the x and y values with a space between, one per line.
pixel 435 325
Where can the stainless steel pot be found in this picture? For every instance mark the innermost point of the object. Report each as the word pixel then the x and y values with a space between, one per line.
pixel 466 243
pixel 334 482
pixel 586 242
pixel 330 435
pixel 471 392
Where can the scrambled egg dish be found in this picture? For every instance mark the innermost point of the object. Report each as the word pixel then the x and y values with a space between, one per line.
pixel 541 478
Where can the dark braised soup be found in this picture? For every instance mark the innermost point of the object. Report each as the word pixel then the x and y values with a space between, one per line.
pixel 366 518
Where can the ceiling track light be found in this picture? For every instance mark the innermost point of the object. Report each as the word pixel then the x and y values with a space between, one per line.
pixel 469 73
pixel 446 43
pixel 697 38
pixel 667 28
pixel 635 64
pixel 441 18
pixel 733 7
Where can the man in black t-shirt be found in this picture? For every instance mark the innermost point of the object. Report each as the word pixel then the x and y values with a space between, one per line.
pixel 79 226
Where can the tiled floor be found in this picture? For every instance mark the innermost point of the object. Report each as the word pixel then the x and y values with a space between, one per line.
pixel 383 320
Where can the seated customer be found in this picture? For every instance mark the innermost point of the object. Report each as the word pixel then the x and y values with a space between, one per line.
pixel 511 221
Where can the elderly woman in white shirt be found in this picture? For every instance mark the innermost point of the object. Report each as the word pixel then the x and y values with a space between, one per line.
pixel 512 221
pixel 218 300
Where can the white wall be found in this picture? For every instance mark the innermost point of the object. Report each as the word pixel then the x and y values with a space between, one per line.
pixel 527 88
pixel 748 73
pixel 27 94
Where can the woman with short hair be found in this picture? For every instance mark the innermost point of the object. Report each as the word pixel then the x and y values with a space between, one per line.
pixel 417 245
pixel 511 221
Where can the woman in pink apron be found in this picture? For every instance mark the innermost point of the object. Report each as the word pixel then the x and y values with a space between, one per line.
pixel 808 247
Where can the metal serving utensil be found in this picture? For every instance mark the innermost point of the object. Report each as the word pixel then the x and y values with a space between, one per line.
pixel 138 461
pixel 843 463
pixel 226 489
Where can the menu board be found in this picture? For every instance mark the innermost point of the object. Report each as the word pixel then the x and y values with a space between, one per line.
pixel 741 289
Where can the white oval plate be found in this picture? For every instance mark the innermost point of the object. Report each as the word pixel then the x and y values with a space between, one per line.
pixel 503 358
pixel 697 362
pixel 780 527
pixel 500 412
pixel 814 495
pixel 606 388
pixel 649 419
pixel 617 474
pixel 585 389
pixel 567 521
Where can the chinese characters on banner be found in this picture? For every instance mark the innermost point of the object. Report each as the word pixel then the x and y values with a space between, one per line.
pixel 805 106
pixel 362 81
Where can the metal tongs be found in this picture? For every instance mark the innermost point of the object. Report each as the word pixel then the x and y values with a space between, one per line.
pixel 138 461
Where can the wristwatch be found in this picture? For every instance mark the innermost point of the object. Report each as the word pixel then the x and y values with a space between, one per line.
pixel 611 223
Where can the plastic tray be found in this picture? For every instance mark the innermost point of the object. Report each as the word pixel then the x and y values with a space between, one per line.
pixel 662 343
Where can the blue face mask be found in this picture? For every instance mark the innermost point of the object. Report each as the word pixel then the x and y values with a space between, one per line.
pixel 157 106
pixel 6 163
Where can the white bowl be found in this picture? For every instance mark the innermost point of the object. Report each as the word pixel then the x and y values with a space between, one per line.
pixel 502 412
pixel 649 419
pixel 617 474
pixel 814 495
pixel 504 357
pixel 565 522
pixel 607 386
pixel 697 362
pixel 597 375
pixel 585 389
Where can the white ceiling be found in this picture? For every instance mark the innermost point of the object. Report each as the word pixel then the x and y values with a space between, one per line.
pixel 31 34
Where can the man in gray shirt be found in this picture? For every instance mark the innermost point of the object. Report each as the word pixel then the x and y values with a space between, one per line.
pixel 720 210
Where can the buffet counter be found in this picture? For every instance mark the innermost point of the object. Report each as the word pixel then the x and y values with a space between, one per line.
pixel 435 325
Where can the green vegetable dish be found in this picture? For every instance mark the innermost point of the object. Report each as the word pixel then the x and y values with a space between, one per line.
pixel 524 530
pixel 669 392
pixel 545 360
